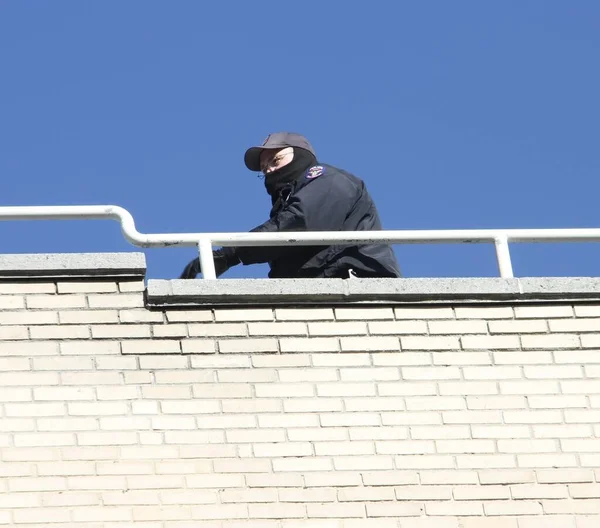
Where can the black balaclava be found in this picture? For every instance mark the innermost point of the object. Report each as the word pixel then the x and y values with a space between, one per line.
pixel 275 181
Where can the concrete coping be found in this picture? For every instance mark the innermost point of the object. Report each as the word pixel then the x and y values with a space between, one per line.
pixel 185 293
pixel 346 291
pixel 76 265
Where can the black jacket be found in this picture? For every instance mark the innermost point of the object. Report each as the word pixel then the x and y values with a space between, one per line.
pixel 324 198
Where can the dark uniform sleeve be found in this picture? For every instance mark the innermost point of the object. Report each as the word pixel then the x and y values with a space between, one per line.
pixel 320 205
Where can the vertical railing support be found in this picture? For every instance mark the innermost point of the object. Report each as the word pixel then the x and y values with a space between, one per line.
pixel 503 257
pixel 207 261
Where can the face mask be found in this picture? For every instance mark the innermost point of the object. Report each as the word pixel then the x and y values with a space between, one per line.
pixel 277 180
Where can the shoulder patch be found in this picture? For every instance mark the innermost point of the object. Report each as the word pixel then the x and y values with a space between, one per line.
pixel 315 172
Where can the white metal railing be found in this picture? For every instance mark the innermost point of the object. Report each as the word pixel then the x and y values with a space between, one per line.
pixel 205 241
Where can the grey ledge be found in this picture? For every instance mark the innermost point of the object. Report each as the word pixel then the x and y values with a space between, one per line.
pixel 73 265
pixel 345 291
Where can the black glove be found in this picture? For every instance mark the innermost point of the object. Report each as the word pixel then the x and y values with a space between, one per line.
pixel 224 258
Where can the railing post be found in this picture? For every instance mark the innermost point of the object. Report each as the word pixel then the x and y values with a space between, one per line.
pixel 206 259
pixel 503 257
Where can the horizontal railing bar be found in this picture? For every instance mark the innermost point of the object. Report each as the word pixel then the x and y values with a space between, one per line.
pixel 295 238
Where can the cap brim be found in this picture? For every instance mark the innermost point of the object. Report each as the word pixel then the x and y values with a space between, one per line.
pixel 252 156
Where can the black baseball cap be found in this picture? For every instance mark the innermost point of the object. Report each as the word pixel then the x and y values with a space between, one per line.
pixel 276 141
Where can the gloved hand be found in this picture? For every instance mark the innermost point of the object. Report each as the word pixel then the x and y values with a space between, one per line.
pixel 224 258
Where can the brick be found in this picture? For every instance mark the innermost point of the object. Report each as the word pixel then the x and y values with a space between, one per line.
pixel 288 449
pixel 518 358
pixel 277 511
pixel 88 316
pixel 430 373
pixel 490 342
pixel 344 448
pixel 370 374
pixel 121 300
pixel 303 464
pixel 45 348
pixel 462 358
pixel 500 431
pixel 518 327
pixel 313 344
pixel 247 345
pixel 30 286
pixel 239 465
pixel 251 314
pixel 580 506
pixel 28 318
pixel 140 316
pixel 63 363
pixel 405 447
pixel 580 387
pixel 532 417
pixel 136 285
pixel 551 341
pixel 13 333
pixel 308 495
pixel 66 468
pixel 101 438
pixel 297 360
pixel 376 433
pixel 485 461
pixel 369 344
pixel 496 402
pixel 63 393
pixel 566 476
pixel 423 313
pixel 529 387
pixel 363 463
pixel 149 346
pixel 248 495
pixel 66 424
pixel 304 314
pixel 12 469
pixel 218 330
pixel 277 329
pixel 325 374
pixel 538 491
pixel 435 403
pixel 562 431
pixel 552 460
pixel 345 389
pixel 582 416
pixel 502 476
pixel 169 330
pixel 449 477
pixel 363 314
pixel 423 492
pixel 226 421
pixel 411 418
pixel 394 509
pixel 14 363
pixel 12 303
pixel 124 423
pixel 484 312
pixel 97 408
pixel 222 390
pixel 557 402
pixel 341 360
pixel 398 328
pixel 60 332
pixel 584 491
pixel 574 325
pixel 464 446
pixel 439 432
pixel 19 394
pixel 220 362
pixel 41 515
pixel 317 434
pixel 116 392
pixel 163 362
pixel 458 327
pixel 406 389
pixel 314 405
pixel 29 484
pixel 87 286
pixel 590 341
pixel 576 356
pixel 402 359
pixel 120 331
pixel 520 507
pixel 91 348
pixel 543 311
pixel 371 494
pixel 54 301
pixel 198 346
pixel 337 328
pixel 430 343
pixel 371 404
pixel 349 419
pixel 43 440
pixel 8 379
pixel 581 445
pixel 527 446
pixel 250 405
pixel 468 388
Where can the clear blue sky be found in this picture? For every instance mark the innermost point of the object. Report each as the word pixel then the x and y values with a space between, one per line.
pixel 462 114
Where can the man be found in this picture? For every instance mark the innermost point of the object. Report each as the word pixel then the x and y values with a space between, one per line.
pixel 308 196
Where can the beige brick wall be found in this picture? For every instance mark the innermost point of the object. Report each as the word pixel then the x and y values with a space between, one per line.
pixel 467 416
